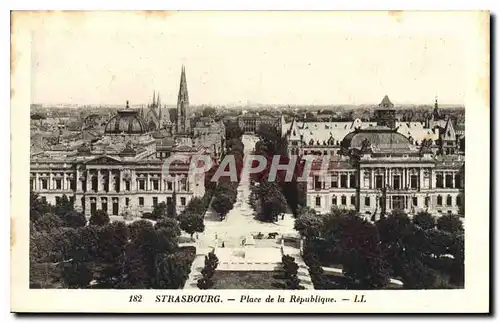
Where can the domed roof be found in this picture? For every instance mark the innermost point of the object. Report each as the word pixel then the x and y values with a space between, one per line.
pixel 126 121
pixel 382 138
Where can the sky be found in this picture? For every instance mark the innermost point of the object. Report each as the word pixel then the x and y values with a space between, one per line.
pixel 246 58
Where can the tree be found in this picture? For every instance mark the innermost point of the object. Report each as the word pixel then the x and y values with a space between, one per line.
pixel 197 206
pixel 99 218
pixel 191 223
pixel 38 207
pixel 48 221
pixel 424 220
pixel 223 201
pixel 211 263
pixel 290 269
pixel 360 252
pixel 137 229
pixel 63 206
pixel 170 226
pixel 272 201
pixel 74 219
pixel 171 272
pixel 76 275
pixel 160 211
pixel 450 223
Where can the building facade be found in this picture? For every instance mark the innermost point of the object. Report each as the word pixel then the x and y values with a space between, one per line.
pixel 379 166
pixel 119 174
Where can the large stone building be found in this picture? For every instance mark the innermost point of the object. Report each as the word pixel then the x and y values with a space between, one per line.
pixel 379 166
pixel 250 123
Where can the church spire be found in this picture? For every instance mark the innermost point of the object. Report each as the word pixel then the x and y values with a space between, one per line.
pixel 436 109
pixel 154 94
pixel 159 108
pixel 183 124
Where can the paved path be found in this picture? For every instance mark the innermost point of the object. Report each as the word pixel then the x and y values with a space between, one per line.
pixel 239 224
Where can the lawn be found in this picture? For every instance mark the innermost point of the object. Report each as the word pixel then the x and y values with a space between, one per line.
pixel 248 280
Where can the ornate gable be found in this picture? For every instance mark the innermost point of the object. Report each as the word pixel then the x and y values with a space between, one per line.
pixel 104 160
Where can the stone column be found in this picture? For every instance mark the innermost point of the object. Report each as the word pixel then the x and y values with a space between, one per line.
pixel 372 178
pixel 148 182
pixel 453 179
pixel 78 183
pixel 348 179
pixel 89 182
pixel 420 178
pixel 133 181
pixel 49 185
pixel 37 182
pixel 98 175
pixel 389 175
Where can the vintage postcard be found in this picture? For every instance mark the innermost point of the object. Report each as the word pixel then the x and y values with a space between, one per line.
pixel 251 162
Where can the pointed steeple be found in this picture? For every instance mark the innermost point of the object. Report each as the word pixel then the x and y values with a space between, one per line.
pixel 159 108
pixel 154 101
pixel 183 124
pixel 386 102
pixel 435 112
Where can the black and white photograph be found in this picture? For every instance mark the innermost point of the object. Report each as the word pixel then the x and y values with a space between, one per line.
pixel 277 161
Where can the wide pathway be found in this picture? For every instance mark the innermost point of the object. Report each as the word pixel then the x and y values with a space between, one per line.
pixel 239 224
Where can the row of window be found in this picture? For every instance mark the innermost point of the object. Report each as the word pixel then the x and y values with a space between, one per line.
pixel 397 182
pixel 44 185
pixel 439 201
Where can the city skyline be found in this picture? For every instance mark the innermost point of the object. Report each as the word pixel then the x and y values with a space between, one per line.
pixel 273 63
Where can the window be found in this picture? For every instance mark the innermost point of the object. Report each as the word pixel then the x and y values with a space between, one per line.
pixel 439 200
pixel 343 181
pixel 415 201
pixel 379 181
pixel 458 181
pixel 353 200
pixel 72 184
pixel 335 180
pixel 367 201
pixel 317 183
pixel 155 184
pixel 169 186
pixel 448 200
pixel 141 201
pixel 343 200
pixel 142 184
pixel 169 200
pixel 426 201
pixel 155 201
pixel 449 181
pixel 32 184
pixel 183 201
pixel 352 181
pixel 58 184
pixel 395 182
pixel 439 180
pixel 104 204
pixel 127 186
pixel 318 201
pixel 334 200
pixel 459 201
pixel 414 181
pixel 44 183
pixel 127 201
